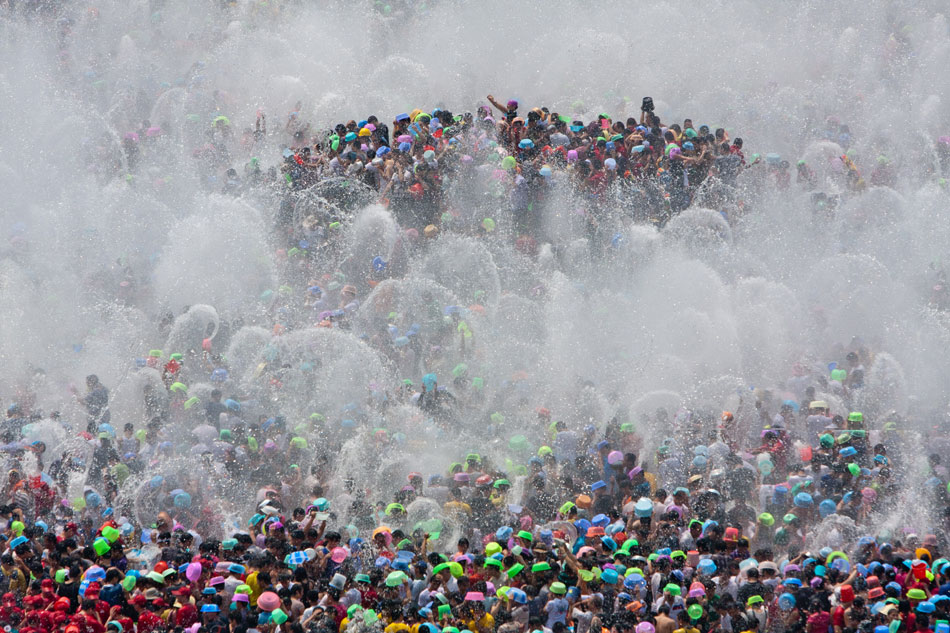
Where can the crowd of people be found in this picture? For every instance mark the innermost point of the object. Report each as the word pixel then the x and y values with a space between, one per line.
pixel 794 512
pixel 766 519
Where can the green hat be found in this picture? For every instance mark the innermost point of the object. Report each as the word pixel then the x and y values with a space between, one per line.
pixel 539 567
pixel 677 554
pixel 559 589
pixel 501 482
pixel 514 570
pixel 826 440
pixel 754 600
pixel 788 518
pixel 854 469
pixel 526 535
pixel 855 416
pixel 361 577
pixel 916 594
pixel 493 562
pixel 567 507
pixel 673 589
pixel 695 611
pixel 766 519
pixel 844 438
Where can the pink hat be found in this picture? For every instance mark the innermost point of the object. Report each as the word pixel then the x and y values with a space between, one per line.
pixel 338 555
pixel 572 156
pixel 240 597
pixel 474 596
pixel 461 477
pixel 217 580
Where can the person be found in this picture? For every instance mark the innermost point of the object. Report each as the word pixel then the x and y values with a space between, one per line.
pixel 96 403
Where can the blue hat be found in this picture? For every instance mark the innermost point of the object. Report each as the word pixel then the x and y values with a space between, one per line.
pixel 210 608
pixel 504 533
pixel 633 581
pixel 848 451
pixel 926 607
pixel 581 525
pixel 350 136
pixel 405 147
pixel 893 585
pixel 600 520
pixel 382 151
pixel 382 561
pixel 602 444
pixel 803 500
pixel 597 485
pixel 609 576
pixel 234 568
pixel 688 145
pixel 706 566
pixel 208 591
pixel 525 143
pixel 402 117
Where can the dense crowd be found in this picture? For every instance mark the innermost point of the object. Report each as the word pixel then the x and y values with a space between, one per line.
pixel 789 513
pixel 723 527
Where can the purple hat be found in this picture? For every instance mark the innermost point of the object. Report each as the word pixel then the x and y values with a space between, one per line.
pixel 240 597
pixel 512 103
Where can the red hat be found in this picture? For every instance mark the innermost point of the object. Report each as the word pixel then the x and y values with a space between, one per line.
pixel 847 593
pixel 731 535
pixel 875 592
pixel 159 603
pixel 71 526
pixel 46 583
pixel 873 581
pixel 138 599
pixel 62 605
pixel 595 530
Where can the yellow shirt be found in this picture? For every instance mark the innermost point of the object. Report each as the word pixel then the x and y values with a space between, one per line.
pixel 688 629
pixel 255 588
pixel 485 624
pixel 397 627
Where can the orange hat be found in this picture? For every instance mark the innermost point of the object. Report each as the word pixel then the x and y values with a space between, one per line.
pixel 583 502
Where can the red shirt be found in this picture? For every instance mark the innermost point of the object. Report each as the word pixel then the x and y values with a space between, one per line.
pixel 819 622
pixel 148 622
pixel 837 618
